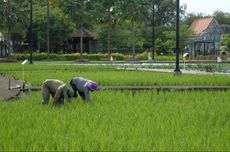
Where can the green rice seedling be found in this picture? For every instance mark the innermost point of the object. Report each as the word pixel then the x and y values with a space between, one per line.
pixel 6 67
pixel 119 121
pixel 107 76
pixel 126 78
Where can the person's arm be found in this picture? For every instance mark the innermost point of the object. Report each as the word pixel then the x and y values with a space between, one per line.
pixel 67 93
pixel 58 94
pixel 87 95
pixel 73 84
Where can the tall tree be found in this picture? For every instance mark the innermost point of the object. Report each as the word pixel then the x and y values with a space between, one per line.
pixel 61 27
pixel 165 12
pixel 107 15
pixel 160 18
pixel 78 12
pixel 222 17
pixel 14 22
pixel 134 11
pixel 189 18
pixel 226 41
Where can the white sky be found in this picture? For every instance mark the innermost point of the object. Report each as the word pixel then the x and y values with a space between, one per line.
pixel 206 6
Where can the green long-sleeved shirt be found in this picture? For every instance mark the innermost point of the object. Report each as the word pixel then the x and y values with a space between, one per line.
pixel 56 88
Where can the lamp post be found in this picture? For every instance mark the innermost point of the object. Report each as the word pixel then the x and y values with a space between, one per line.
pixel 1 48
pixel 48 27
pixel 153 9
pixel 177 71
pixel 110 10
pixel 31 32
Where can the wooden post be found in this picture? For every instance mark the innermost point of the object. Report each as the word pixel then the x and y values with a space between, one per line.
pixel 9 84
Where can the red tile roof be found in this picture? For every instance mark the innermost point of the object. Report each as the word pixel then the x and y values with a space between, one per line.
pixel 198 26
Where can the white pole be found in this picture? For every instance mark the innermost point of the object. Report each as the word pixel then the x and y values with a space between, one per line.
pixel 23 72
pixel 184 56
pixel 184 63
pixel 24 62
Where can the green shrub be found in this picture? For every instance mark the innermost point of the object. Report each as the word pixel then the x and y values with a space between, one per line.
pixel 74 56
pixel 40 56
pixel 118 56
pixel 92 57
pixel 95 57
pixel 209 68
pixel 19 56
pixel 142 56
pixel 165 58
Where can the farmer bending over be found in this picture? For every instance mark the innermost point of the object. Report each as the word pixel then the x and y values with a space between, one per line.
pixel 57 89
pixel 83 87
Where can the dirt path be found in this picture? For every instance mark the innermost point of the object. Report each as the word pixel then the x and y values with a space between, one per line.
pixel 9 88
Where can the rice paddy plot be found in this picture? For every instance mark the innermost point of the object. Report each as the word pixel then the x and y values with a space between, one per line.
pixel 119 120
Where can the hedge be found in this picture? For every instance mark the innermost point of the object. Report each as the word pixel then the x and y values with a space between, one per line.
pixel 90 57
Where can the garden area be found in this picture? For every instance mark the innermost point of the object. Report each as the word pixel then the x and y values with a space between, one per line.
pixel 128 120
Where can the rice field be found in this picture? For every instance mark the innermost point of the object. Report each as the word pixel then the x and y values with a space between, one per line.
pixel 108 75
pixel 119 120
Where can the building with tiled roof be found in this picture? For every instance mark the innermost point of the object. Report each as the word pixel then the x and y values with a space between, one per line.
pixel 226 28
pixel 205 37
pixel 200 25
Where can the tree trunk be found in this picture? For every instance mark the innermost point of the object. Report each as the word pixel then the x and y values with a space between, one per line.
pixel 81 43
pixel 8 41
pixel 153 30
pixel 48 28
pixel 133 39
pixel 109 34
pixel 1 47
pixel 81 38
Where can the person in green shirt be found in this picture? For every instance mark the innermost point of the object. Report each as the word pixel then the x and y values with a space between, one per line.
pixel 57 89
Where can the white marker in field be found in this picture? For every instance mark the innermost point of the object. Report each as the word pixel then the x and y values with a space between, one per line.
pixel 219 60
pixel 184 56
pixel 24 62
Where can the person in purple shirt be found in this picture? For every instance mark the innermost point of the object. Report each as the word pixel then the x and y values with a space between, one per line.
pixel 83 86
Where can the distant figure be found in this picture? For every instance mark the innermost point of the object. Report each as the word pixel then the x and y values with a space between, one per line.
pixel 186 50
pixel 83 87
pixel 149 54
pixel 57 89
